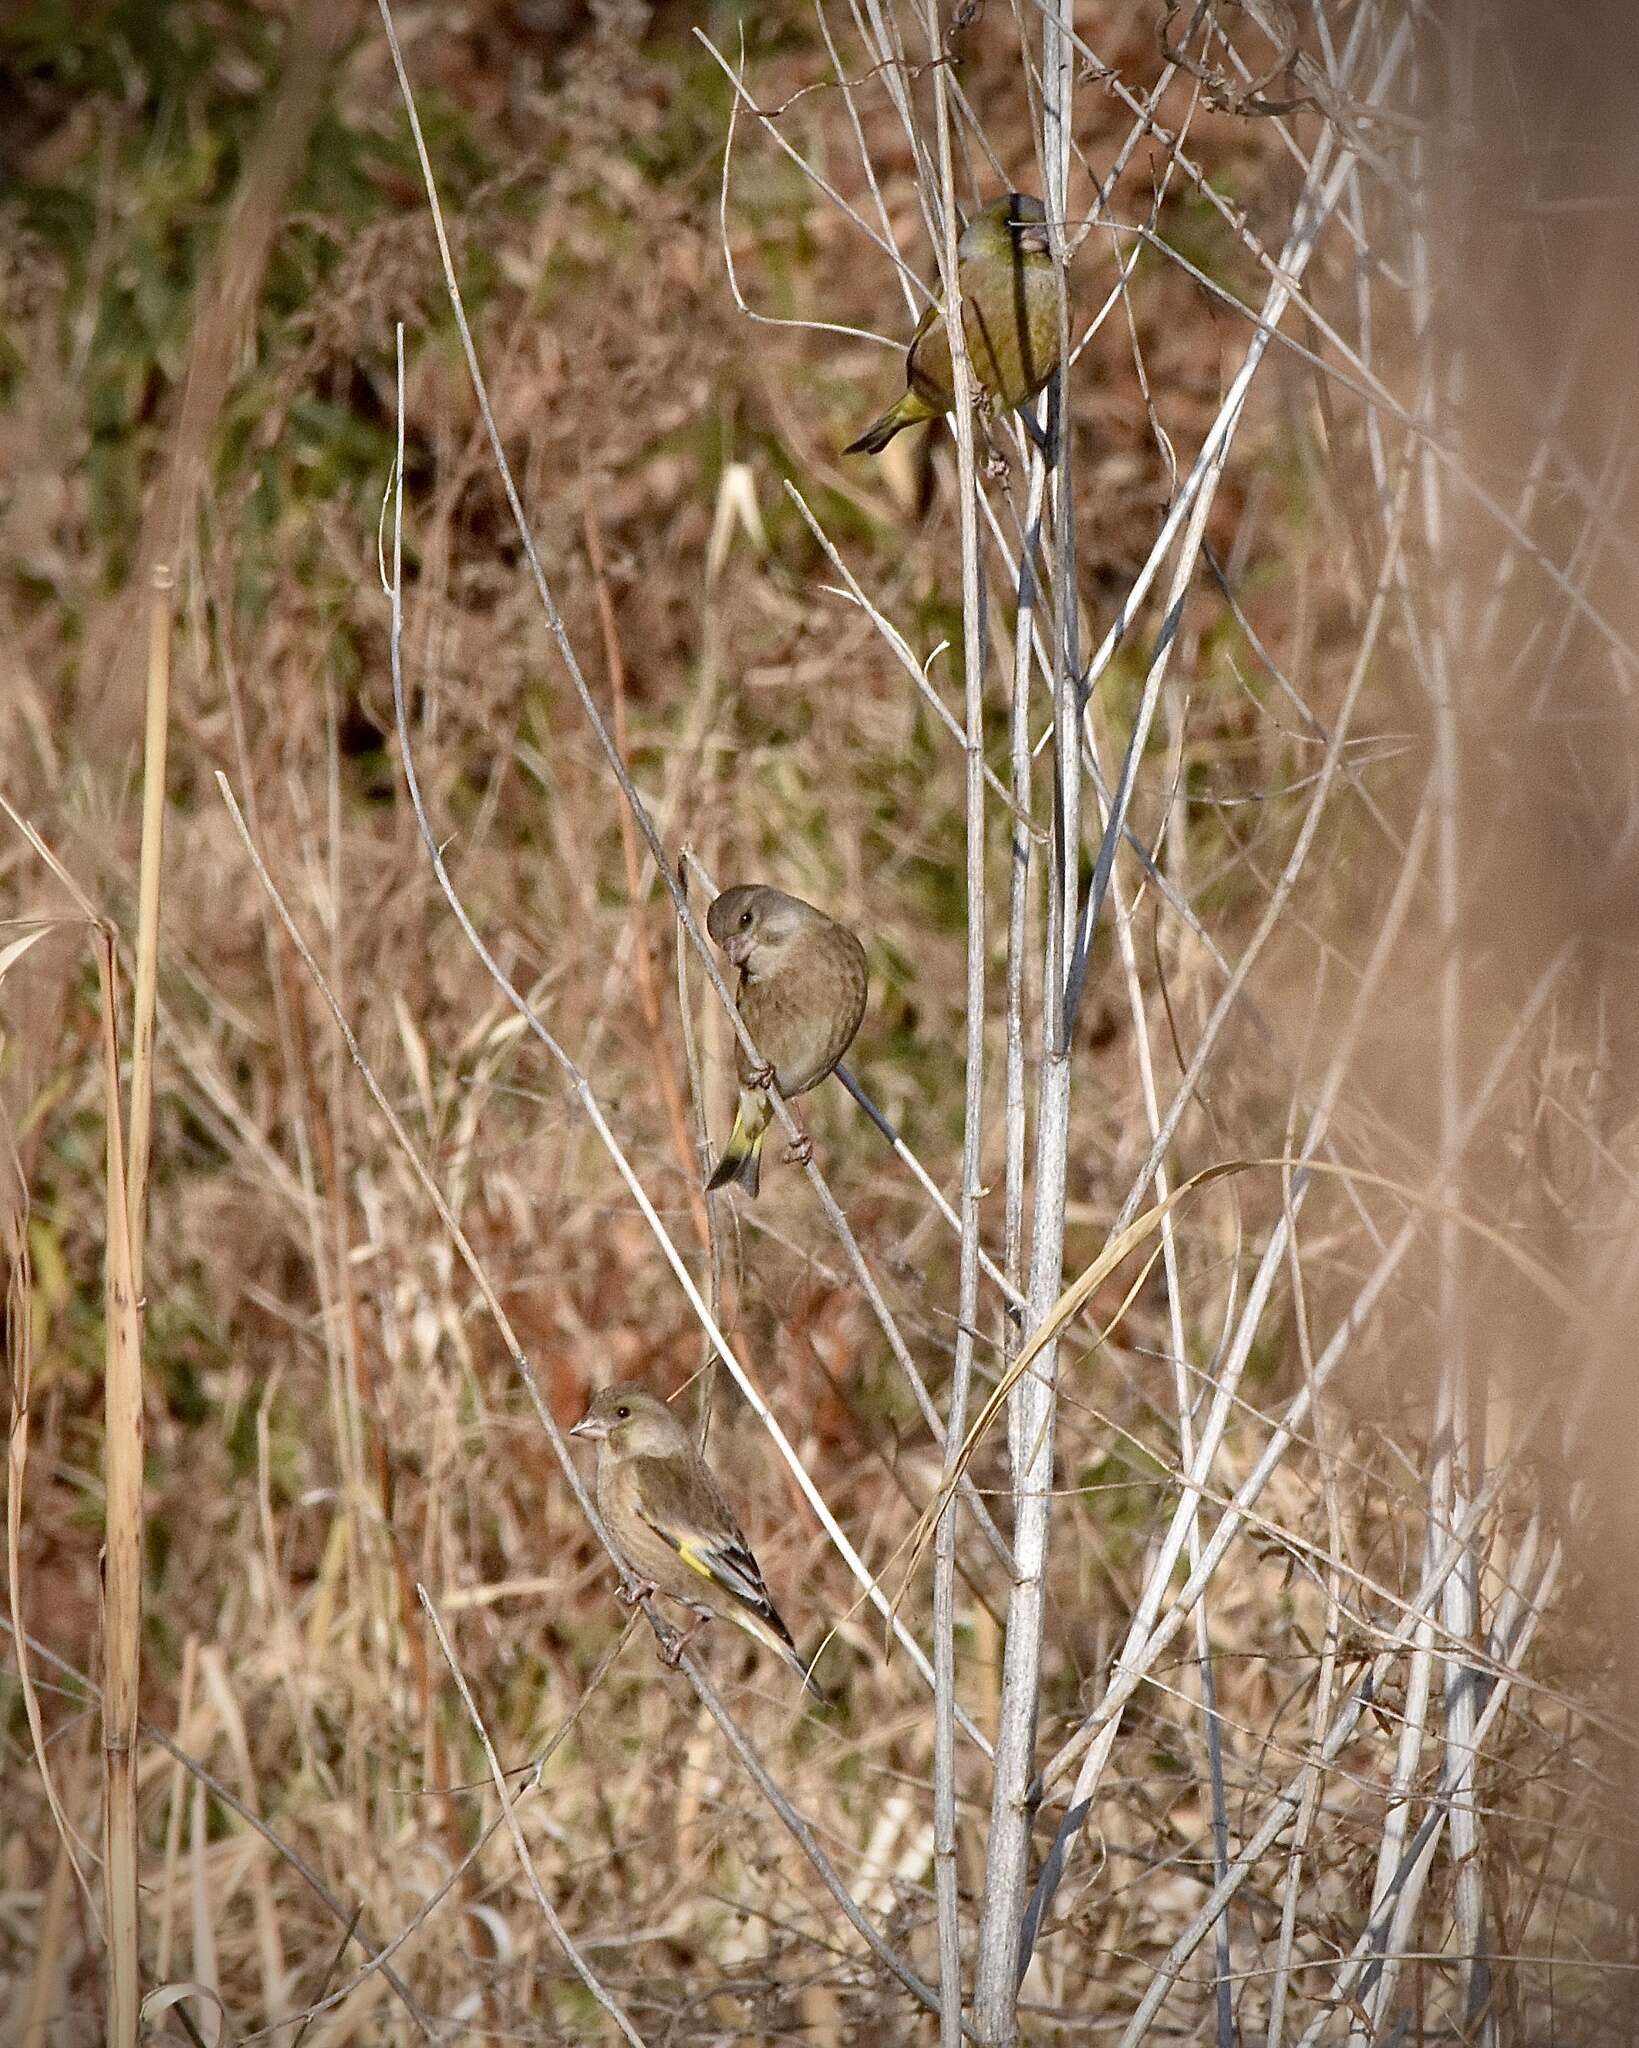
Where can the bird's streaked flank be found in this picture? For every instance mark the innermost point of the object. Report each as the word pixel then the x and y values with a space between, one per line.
pixel 670 1521
pixel 802 994
pixel 1010 320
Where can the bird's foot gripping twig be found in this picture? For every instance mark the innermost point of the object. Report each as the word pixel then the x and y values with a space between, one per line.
pixel 992 463
pixel 761 1077
pixel 640 1589
pixel 800 1150
pixel 671 1650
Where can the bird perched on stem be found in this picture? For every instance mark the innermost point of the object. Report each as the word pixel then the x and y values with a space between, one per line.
pixel 669 1520
pixel 1010 319
pixel 802 994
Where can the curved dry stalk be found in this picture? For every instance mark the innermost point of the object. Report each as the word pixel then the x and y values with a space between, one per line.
pixel 736 78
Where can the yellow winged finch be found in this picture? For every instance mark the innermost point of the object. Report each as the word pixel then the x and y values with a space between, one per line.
pixel 802 994
pixel 669 1520
pixel 1010 318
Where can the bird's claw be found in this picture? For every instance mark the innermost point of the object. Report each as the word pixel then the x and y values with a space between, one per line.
pixel 800 1151
pixel 761 1077
pixel 995 466
pixel 672 1648
pixel 640 1589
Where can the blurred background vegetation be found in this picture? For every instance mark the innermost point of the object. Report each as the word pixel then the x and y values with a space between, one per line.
pixel 210 220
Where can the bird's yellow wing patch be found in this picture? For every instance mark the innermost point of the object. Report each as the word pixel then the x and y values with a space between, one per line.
pixel 731 1568
pixel 696 1560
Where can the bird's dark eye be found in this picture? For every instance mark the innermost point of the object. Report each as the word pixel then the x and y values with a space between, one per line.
pixel 745 919
pixel 623 1413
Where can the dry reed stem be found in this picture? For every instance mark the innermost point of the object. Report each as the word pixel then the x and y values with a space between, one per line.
pixel 123 1430
pixel 945 1839
pixel 156 740
pixel 122 1545
pixel 1033 1404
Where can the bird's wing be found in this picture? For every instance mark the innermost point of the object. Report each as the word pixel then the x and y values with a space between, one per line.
pixel 853 986
pixel 682 1504
pixel 927 361
pixel 929 315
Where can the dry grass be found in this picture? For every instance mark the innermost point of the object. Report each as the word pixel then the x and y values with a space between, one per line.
pixel 334 1413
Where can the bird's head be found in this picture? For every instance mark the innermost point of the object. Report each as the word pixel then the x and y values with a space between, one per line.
pixel 1016 222
pixel 754 923
pixel 634 1423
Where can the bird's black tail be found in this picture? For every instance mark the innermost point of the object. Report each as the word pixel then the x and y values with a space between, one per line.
pixel 738 1166
pixel 878 434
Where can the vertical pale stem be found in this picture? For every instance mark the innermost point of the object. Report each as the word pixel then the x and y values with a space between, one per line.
pixel 1018 896
pixel 946 1888
pixel 1031 1406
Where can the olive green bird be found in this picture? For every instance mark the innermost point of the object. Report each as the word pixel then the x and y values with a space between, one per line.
pixel 668 1518
pixel 1010 319
pixel 802 994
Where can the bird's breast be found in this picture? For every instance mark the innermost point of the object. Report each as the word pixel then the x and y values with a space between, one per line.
pixel 804 1016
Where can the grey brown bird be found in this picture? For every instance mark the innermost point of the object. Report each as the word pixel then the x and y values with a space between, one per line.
pixel 670 1521
pixel 802 994
pixel 1010 320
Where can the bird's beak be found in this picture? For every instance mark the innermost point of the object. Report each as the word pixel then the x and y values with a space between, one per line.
pixel 738 947
pixel 589 1426
pixel 1034 240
